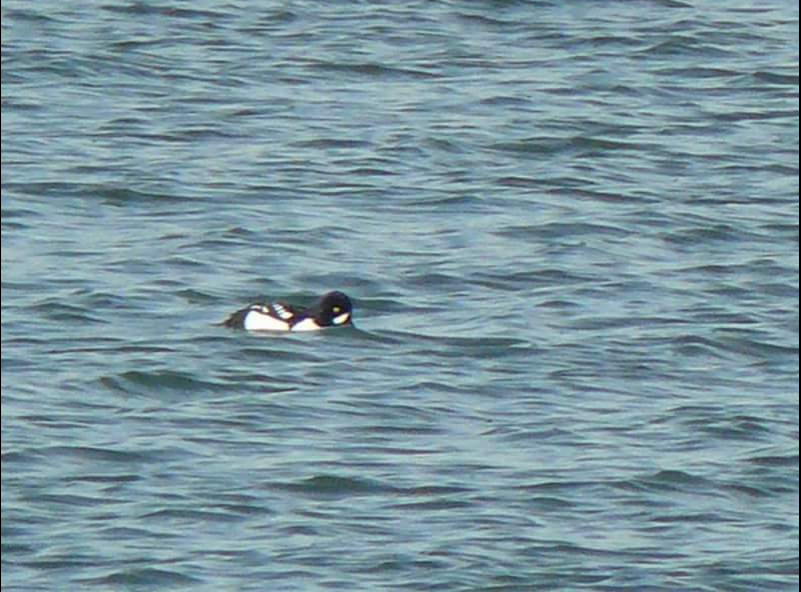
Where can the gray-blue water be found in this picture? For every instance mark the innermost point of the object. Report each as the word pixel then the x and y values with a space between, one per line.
pixel 570 230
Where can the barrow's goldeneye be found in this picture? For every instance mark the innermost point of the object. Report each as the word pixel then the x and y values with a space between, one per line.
pixel 332 309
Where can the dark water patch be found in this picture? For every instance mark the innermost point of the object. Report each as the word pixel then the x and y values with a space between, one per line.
pixel 106 479
pixel 739 428
pixel 701 72
pixel 56 421
pixel 197 297
pixel 667 481
pixel 436 279
pixel 97 299
pixel 701 518
pixel 370 71
pixel 693 346
pixel 11 226
pixel 54 562
pixel 557 146
pixel 757 349
pixel 24 214
pixel 332 143
pixel 550 504
pixel 252 510
pixel 64 312
pixel 518 181
pixel 136 8
pixel 782 290
pixel 30 16
pixel 488 344
pixel 109 195
pixel 14 549
pixel 261 383
pixel 333 487
pixel 185 516
pixel 129 532
pixel 560 230
pixel 144 349
pixel 605 324
pixel 526 280
pixel 433 386
pixel 387 305
pixel 405 564
pixel 775 461
pixel 182 262
pixel 756 491
pixel 434 490
pixel 550 436
pixel 559 304
pixel 483 21
pixel 288 354
pixel 636 195
pixel 570 551
pixel 776 78
pixel 80 501
pixel 441 505
pixel 722 234
pixel 685 45
pixel 159 383
pixel 390 415
pixel 439 145
pixel 443 203
pixel 506 101
pixel 368 171
pixel 107 455
pixel 567 487
pixel 20 457
pixel 402 430
pixel 145 578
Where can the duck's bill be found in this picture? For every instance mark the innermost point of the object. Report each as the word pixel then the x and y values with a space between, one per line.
pixel 341 319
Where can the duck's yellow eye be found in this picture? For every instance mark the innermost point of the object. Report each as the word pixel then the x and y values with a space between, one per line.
pixel 337 310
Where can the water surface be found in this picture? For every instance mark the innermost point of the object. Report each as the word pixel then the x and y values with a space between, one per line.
pixel 570 231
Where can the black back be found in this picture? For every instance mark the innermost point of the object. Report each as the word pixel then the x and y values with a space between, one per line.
pixel 237 319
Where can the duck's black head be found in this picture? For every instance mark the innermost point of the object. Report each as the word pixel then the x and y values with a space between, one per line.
pixel 333 309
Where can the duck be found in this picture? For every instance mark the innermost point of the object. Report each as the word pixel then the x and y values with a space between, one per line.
pixel 333 309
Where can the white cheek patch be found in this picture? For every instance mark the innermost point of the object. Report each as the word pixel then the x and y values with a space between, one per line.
pixel 340 319
pixel 257 321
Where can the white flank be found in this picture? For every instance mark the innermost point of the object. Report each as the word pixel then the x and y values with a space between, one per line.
pixel 343 318
pixel 257 321
pixel 306 325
